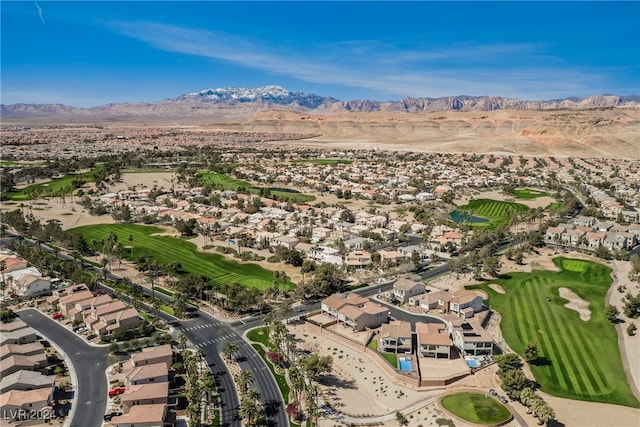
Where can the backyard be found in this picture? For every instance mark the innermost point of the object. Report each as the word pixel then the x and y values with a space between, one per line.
pixel 578 359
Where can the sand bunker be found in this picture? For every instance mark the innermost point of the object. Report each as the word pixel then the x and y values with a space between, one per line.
pixel 576 303
pixel 497 288
pixel 481 293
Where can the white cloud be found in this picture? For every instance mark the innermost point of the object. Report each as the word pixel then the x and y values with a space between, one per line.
pixel 515 70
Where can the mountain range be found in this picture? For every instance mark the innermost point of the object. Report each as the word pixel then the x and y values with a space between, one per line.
pixel 234 101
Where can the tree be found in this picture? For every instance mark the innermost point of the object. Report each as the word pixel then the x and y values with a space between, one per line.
pixel 611 312
pixel 182 340
pixel 250 408
pixel 513 382
pixel 245 380
pixel 416 259
pixel 509 361
pixel 229 350
pixel 531 351
pixel 401 419
pixel 316 365
pixel 631 306
pixel 631 329
pixel 311 403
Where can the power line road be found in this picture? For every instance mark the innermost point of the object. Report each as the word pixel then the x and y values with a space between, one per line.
pixel 88 362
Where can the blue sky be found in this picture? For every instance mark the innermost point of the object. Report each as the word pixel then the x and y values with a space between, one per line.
pixel 92 53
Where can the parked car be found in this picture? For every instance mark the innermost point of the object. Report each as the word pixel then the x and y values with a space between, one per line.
pixel 116 391
pixel 57 316
pixel 91 336
pixel 82 329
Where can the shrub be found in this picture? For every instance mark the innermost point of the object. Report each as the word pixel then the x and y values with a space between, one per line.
pixel 631 329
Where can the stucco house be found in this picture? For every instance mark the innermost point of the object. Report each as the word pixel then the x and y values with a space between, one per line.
pixel 154 415
pixel 403 289
pixel 395 337
pixel 31 285
pixel 433 340
pixel 470 339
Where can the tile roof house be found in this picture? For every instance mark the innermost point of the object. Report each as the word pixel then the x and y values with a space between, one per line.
pixel 153 415
pixel 358 259
pixel 429 300
pixel 69 301
pixel 433 340
pixel 30 400
pixel 152 355
pixel 465 303
pixel 395 337
pixel 29 349
pixel 355 311
pixel 18 362
pixel 26 380
pixel 126 319
pixel 403 289
pixel 31 285
pixel 470 339
pixel 144 394
pixel 18 336
pixel 371 315
pixel 145 374
pixel 14 264
pixel 14 325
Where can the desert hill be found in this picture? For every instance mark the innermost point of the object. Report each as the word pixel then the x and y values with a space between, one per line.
pixel 598 126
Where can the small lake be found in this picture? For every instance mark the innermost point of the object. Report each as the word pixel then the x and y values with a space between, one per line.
pixel 460 216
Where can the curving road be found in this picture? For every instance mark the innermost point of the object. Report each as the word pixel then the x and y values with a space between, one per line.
pixel 89 363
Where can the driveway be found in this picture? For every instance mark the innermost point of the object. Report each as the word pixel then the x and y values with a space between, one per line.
pixel 88 362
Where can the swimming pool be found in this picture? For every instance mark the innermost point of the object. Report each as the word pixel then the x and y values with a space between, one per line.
pixel 472 362
pixel 405 363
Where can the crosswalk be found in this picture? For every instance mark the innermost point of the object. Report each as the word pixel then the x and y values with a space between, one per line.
pixel 214 340
pixel 194 328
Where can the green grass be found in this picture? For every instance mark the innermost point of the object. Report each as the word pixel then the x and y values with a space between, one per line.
pixel 168 249
pixel 392 358
pixel 529 193
pixel 167 309
pixel 581 360
pixel 280 379
pixel 163 291
pixel 496 211
pixel 225 182
pixel 554 206
pixel 222 181
pixel 56 187
pixel 260 335
pixel 476 408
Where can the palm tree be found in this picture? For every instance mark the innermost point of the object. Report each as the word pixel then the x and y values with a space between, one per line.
pixel 311 403
pixel 182 340
pixel 245 380
pixel 131 246
pixel 229 350
pixel 250 408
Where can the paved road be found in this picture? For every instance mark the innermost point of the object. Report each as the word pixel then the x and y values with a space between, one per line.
pixel 211 335
pixel 88 362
